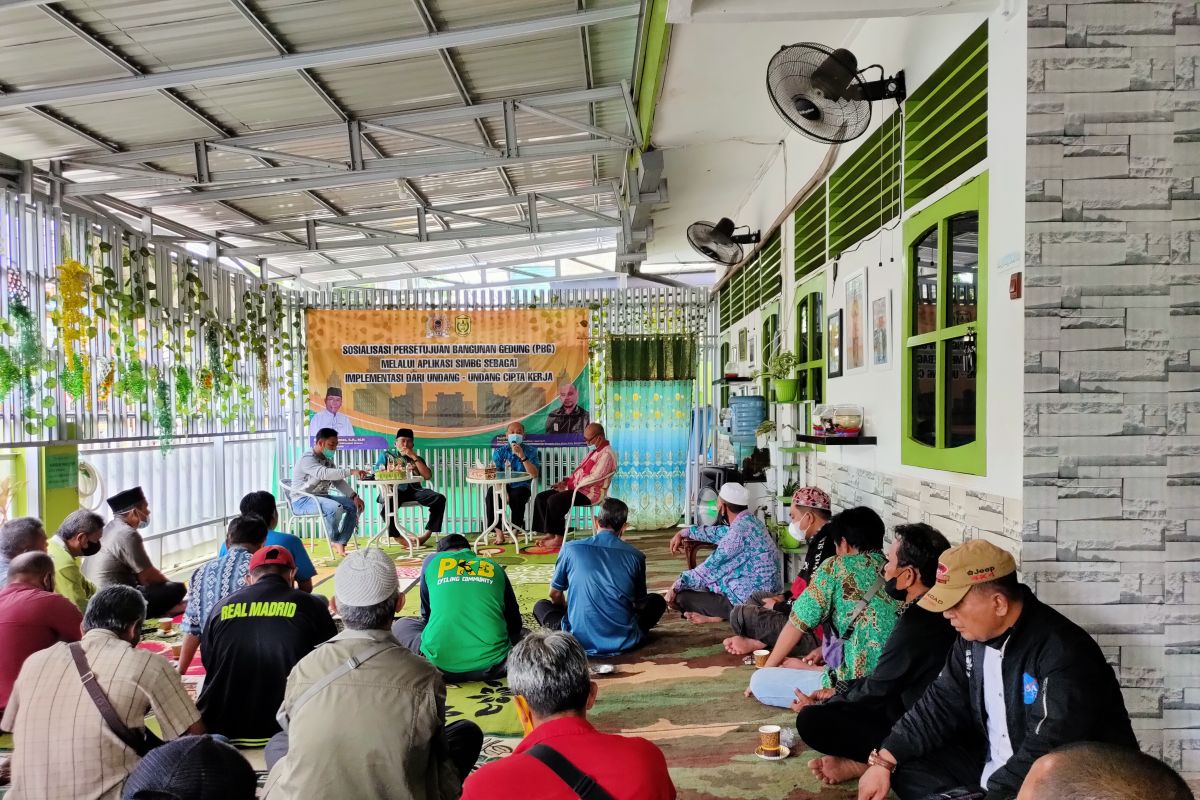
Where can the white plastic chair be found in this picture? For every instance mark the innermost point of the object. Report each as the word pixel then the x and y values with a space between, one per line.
pixel 604 482
pixel 291 494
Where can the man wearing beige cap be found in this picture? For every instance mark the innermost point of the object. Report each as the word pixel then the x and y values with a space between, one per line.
pixel 363 717
pixel 1021 680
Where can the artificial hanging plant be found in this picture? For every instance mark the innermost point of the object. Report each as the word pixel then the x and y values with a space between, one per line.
pixel 75 328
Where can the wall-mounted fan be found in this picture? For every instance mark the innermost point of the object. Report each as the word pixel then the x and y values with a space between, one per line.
pixel 821 92
pixel 719 242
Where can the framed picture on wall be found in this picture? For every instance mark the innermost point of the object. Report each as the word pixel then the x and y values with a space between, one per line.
pixel 750 354
pixel 743 350
pixel 881 331
pixel 833 352
pixel 856 321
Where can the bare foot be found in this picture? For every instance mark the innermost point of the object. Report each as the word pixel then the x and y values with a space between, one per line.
pixel 550 541
pixel 832 770
pixel 742 646
pixel 700 619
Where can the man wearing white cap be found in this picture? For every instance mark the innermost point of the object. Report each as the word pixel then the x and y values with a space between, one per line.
pixel 362 716
pixel 746 561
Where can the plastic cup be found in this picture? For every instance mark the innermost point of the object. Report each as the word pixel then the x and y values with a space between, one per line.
pixel 166 624
pixel 760 657
pixel 768 739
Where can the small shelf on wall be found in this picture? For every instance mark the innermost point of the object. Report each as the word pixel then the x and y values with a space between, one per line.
pixel 727 381
pixel 837 441
pixel 796 448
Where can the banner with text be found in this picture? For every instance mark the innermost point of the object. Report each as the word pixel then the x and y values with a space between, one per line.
pixel 455 377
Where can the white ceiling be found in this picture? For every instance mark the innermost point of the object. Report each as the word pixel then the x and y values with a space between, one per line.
pixel 714 120
pixel 716 124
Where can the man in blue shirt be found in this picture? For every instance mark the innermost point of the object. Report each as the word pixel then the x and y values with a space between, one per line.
pixel 606 606
pixel 519 457
pixel 263 504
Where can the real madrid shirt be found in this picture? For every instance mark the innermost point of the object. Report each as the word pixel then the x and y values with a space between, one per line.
pixel 250 644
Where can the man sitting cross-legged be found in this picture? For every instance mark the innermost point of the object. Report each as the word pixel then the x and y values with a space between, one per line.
pixel 219 577
pixel 469 614
pixel 548 674
pixel 32 616
pixel 758 622
pixel 848 721
pixel 606 606
pixel 52 716
pixel 263 504
pixel 1020 680
pixel 123 558
pixel 746 561
pixel 252 640
pixel 366 719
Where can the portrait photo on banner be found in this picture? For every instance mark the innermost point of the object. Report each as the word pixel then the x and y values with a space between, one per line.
pixel 456 377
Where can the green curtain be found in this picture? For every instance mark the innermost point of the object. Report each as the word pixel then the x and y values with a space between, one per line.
pixel 649 423
pixel 651 358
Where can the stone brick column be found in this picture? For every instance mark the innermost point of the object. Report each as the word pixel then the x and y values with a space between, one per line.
pixel 1112 346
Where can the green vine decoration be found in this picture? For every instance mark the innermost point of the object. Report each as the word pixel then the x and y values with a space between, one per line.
pixel 163 417
pixel 183 390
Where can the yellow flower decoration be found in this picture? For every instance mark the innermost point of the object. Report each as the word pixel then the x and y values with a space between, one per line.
pixel 637 415
pixel 657 397
pixel 636 397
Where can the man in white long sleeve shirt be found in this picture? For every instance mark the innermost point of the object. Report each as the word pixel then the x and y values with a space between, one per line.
pixel 315 474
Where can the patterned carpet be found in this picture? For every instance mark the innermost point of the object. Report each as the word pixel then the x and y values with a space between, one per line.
pixel 681 691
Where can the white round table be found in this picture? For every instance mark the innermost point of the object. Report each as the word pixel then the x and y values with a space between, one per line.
pixel 500 520
pixel 387 492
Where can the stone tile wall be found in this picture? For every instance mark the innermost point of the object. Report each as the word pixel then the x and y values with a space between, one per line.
pixel 959 513
pixel 1112 350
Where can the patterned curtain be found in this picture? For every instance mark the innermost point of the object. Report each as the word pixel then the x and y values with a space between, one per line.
pixel 650 418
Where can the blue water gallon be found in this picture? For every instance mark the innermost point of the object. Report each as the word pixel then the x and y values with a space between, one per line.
pixel 748 411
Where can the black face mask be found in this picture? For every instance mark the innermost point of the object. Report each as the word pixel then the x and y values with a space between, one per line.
pixel 900 595
pixel 91 548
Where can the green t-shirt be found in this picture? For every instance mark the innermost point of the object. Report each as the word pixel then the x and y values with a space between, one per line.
pixel 467 628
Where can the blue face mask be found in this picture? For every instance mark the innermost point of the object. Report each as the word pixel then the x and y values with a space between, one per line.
pixel 516 438
pixel 329 454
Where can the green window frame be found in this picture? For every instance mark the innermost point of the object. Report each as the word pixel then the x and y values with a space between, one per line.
pixel 930 441
pixel 810 339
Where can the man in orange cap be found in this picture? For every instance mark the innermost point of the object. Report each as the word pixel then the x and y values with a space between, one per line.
pixel 1021 680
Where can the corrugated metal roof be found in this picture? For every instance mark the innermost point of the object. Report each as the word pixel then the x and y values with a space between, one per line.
pixel 155 36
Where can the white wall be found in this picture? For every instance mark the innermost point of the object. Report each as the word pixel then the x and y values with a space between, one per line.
pixel 918 45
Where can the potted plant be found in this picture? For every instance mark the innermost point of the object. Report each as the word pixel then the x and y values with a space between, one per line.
pixel 764 429
pixel 789 489
pixel 779 369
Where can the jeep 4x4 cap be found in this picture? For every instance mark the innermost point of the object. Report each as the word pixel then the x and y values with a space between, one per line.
pixel 960 568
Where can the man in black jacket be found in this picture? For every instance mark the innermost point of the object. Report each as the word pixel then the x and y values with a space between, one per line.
pixel 855 716
pixel 1021 680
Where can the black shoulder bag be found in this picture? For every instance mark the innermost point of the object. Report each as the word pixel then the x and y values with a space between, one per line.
pixel 583 785
pixel 140 742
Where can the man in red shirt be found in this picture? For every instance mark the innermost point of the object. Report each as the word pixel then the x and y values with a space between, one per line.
pixel 548 674
pixel 32 616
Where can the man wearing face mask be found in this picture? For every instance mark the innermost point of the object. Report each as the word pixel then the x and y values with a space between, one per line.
pixel 757 622
pixel 315 475
pixel 848 721
pixel 32 616
pixel 1020 681
pixel 123 560
pixel 78 536
pixel 746 561
pixel 518 457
